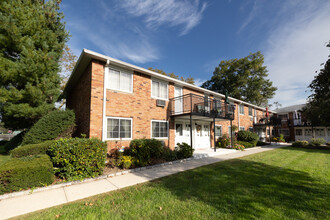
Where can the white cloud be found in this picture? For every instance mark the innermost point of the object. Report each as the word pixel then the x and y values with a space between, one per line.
pixel 199 82
pixel 156 13
pixel 251 16
pixel 296 48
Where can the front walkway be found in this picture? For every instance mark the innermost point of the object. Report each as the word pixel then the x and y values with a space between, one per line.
pixel 25 203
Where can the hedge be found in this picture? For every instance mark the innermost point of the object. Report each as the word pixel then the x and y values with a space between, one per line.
pixel 26 172
pixel 55 124
pixel 248 136
pixel 31 149
pixel 183 150
pixel 14 142
pixel 78 158
pixel 145 150
pixel 245 144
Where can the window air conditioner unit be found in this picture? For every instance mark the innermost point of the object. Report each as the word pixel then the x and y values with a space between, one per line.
pixel 160 103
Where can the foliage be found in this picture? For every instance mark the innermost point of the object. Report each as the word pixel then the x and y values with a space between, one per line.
pixel 318 106
pixel 281 138
pixel 248 136
pixel 223 141
pixel 31 149
pixel 32 39
pixel 189 79
pixel 126 162
pixel 14 142
pixel 300 144
pixel 26 172
pixel 237 146
pixel 184 150
pixel 77 158
pixel 168 154
pixel 244 79
pixel 245 144
pixel 145 150
pixel 315 142
pixel 55 124
pixel 234 128
pixel 328 144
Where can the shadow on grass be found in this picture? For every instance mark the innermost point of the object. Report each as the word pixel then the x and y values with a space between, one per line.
pixel 320 149
pixel 247 189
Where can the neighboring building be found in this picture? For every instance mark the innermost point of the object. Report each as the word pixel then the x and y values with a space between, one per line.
pixel 295 126
pixel 118 102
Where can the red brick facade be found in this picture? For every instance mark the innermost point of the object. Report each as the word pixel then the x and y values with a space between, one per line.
pixel 86 98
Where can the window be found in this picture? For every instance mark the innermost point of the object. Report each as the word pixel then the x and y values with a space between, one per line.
pixel 298 132
pixel 118 128
pixel 241 128
pixel 241 109
pixel 251 129
pixel 121 81
pixel 218 131
pixel 159 129
pixel 319 132
pixel 285 132
pixel 308 132
pixel 250 111
pixel 179 129
pixel 159 90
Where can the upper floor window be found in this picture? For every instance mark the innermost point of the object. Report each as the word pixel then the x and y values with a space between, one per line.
pixel 159 90
pixel 241 109
pixel 121 81
pixel 250 111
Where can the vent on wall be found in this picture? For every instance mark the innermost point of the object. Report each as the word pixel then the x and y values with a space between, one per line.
pixel 160 103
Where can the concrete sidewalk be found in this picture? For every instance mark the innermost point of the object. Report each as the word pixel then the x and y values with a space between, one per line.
pixel 19 205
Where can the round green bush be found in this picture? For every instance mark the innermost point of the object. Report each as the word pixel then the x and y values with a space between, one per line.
pixel 55 124
pixel 248 136
pixel 184 150
pixel 78 158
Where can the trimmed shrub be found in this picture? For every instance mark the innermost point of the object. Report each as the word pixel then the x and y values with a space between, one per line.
pixel 248 136
pixel 168 154
pixel 183 150
pixel 300 144
pixel 55 124
pixel 144 151
pixel 31 149
pixel 223 141
pixel 26 172
pixel 316 142
pixel 245 144
pixel 78 158
pixel 14 142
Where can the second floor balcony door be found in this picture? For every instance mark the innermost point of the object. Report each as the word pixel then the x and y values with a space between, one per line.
pixel 178 101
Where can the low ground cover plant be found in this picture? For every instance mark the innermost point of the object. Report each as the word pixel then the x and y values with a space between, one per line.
pixel 26 172
pixel 300 144
pixel 78 158
pixel 245 144
pixel 54 125
pixel 31 149
pixel 316 142
pixel 279 138
pixel 237 146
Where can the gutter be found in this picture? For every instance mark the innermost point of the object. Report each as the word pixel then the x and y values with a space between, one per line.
pixel 105 78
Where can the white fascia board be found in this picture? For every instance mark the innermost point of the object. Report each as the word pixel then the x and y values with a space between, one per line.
pixel 166 78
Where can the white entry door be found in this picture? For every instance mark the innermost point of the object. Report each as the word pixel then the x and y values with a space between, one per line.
pixel 182 132
pixel 202 135
pixel 179 101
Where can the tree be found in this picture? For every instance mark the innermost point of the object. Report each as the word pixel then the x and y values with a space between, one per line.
pixel 318 106
pixel 244 79
pixel 32 39
pixel 189 79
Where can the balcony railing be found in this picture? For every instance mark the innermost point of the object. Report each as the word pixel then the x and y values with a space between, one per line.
pixel 200 105
pixel 263 120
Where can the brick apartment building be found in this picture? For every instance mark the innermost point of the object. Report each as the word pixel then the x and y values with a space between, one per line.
pixel 117 102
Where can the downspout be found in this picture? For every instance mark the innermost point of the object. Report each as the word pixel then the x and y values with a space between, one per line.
pixel 105 78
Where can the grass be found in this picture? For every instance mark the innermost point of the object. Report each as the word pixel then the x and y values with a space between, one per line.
pixel 288 183
pixel 3 156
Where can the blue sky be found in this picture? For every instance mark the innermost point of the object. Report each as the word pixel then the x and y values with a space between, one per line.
pixel 190 38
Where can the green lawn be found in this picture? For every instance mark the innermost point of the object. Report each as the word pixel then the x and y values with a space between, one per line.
pixel 3 157
pixel 289 183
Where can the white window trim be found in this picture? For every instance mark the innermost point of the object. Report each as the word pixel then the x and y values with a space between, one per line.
pixel 106 129
pixel 120 71
pixel 239 109
pixel 220 130
pixel 159 81
pixel 167 129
